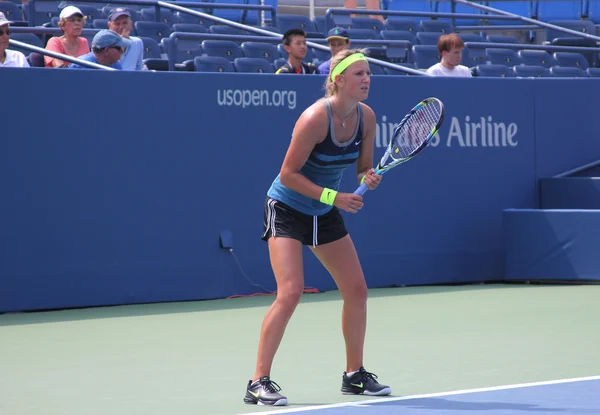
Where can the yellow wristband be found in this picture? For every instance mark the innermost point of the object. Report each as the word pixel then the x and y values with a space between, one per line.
pixel 328 196
pixel 363 179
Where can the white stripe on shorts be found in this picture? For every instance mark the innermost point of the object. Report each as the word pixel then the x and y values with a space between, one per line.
pixel 270 218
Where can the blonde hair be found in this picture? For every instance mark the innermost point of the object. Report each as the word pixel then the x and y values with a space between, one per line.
pixel 330 86
pixel 63 21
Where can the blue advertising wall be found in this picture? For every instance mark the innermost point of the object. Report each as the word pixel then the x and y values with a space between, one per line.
pixel 115 186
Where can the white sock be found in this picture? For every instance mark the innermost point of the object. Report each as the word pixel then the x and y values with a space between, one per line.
pixel 351 373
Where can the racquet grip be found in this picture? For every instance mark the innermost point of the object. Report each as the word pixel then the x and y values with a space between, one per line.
pixel 362 189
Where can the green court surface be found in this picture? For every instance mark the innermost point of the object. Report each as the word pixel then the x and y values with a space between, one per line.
pixel 196 357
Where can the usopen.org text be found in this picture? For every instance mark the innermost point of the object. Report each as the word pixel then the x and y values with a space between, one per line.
pixel 256 98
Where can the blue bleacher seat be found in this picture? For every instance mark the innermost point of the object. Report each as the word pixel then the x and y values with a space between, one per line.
pixel 279 62
pixel 502 39
pixel 230 14
pixel 390 71
pixel 436 26
pixel 91 13
pixel 36 60
pixel 376 69
pixel 425 56
pixel 166 16
pixel 471 37
pixel 367 23
pixel 43 12
pixel 354 34
pixel 151 48
pixel 227 30
pixel 584 26
pixel 271 29
pixel 559 9
pixel 253 65
pixel 28 38
pixel 267 51
pixel 521 8
pixel 286 22
pixel 253 18
pixel 53 21
pixel 283 53
pixel 401 23
pixel 399 35
pixel 189 28
pixel 100 24
pixel 473 56
pixel 224 48
pixel 536 58
pixel 213 64
pixel 494 70
pixel 531 71
pixel 181 50
pixel 571 59
pixel 507 57
pixel 594 11
pixel 594 72
pixel 567 72
pixel 11 10
pixel 191 19
pixel 321 55
pixel 154 30
pixel 428 38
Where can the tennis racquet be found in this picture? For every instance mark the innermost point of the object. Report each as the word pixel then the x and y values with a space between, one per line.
pixel 411 136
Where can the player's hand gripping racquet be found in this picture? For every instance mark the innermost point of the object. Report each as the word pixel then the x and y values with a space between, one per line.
pixel 412 135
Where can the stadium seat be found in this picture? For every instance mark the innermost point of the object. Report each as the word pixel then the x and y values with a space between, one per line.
pixel 506 57
pixel 100 24
pixel 377 70
pixel 374 51
pixel 28 38
pixel 230 14
pixel 181 50
pixel 267 51
pixel 390 71
pixel 502 39
pixel 401 23
pixel 584 26
pixel 36 60
pixel 166 16
pixel 90 12
pixel 367 23
pixel 425 56
pixel 536 58
pixel 494 70
pixel 559 9
pixel 471 37
pixel 593 72
pixel 428 38
pixel 43 12
pixel 253 65
pixel 286 22
pixel 191 19
pixel 399 35
pixel 321 55
pixel 227 30
pixel 567 72
pixel 223 48
pixel 531 71
pixel 11 10
pixel 189 28
pixel 213 64
pixel 154 30
pixel 151 48
pixel 279 63
pixel 436 26
pixel 473 56
pixel 570 59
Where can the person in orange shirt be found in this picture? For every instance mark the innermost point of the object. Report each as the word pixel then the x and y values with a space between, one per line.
pixel 70 43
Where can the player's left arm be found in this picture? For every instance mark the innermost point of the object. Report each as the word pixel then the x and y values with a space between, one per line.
pixel 364 165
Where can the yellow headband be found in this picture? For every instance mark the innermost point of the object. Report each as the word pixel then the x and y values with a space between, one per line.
pixel 344 63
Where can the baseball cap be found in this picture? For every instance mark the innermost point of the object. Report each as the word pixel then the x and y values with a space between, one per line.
pixel 3 19
pixel 115 13
pixel 338 33
pixel 69 11
pixel 105 38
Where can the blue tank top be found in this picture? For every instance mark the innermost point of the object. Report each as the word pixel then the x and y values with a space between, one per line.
pixel 324 167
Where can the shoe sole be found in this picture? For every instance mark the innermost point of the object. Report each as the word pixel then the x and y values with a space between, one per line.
pixel 279 402
pixel 384 391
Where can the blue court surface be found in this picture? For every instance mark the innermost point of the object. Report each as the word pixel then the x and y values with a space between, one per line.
pixel 565 396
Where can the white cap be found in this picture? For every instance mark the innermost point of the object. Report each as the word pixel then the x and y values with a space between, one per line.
pixel 3 19
pixel 69 11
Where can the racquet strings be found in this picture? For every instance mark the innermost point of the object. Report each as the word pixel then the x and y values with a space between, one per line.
pixel 416 131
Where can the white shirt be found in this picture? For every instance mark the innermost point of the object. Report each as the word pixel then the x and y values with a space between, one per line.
pixel 440 70
pixel 14 59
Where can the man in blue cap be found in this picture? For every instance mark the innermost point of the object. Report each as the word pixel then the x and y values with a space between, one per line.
pixel 107 49
pixel 338 40
pixel 119 20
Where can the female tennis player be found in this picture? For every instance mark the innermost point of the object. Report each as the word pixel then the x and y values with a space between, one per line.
pixel 302 208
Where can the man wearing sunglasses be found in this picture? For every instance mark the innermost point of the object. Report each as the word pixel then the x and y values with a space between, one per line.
pixel 107 49
pixel 9 58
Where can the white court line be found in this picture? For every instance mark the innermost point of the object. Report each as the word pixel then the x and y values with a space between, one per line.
pixel 427 395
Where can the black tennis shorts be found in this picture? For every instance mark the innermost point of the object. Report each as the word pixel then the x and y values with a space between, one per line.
pixel 281 220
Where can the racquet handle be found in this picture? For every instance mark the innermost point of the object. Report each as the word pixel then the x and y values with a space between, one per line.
pixel 362 189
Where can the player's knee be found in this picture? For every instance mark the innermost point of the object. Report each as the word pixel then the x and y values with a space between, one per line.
pixel 358 294
pixel 290 296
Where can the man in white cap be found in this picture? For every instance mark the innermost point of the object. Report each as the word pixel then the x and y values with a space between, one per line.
pixel 119 20
pixel 107 49
pixel 9 58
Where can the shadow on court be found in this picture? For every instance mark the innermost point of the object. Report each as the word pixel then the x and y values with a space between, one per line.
pixel 136 310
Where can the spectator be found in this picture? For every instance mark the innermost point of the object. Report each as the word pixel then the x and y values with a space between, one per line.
pixel 107 49
pixel 338 40
pixel 119 20
pixel 9 58
pixel 450 48
pixel 70 43
pixel 294 43
pixel 369 4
